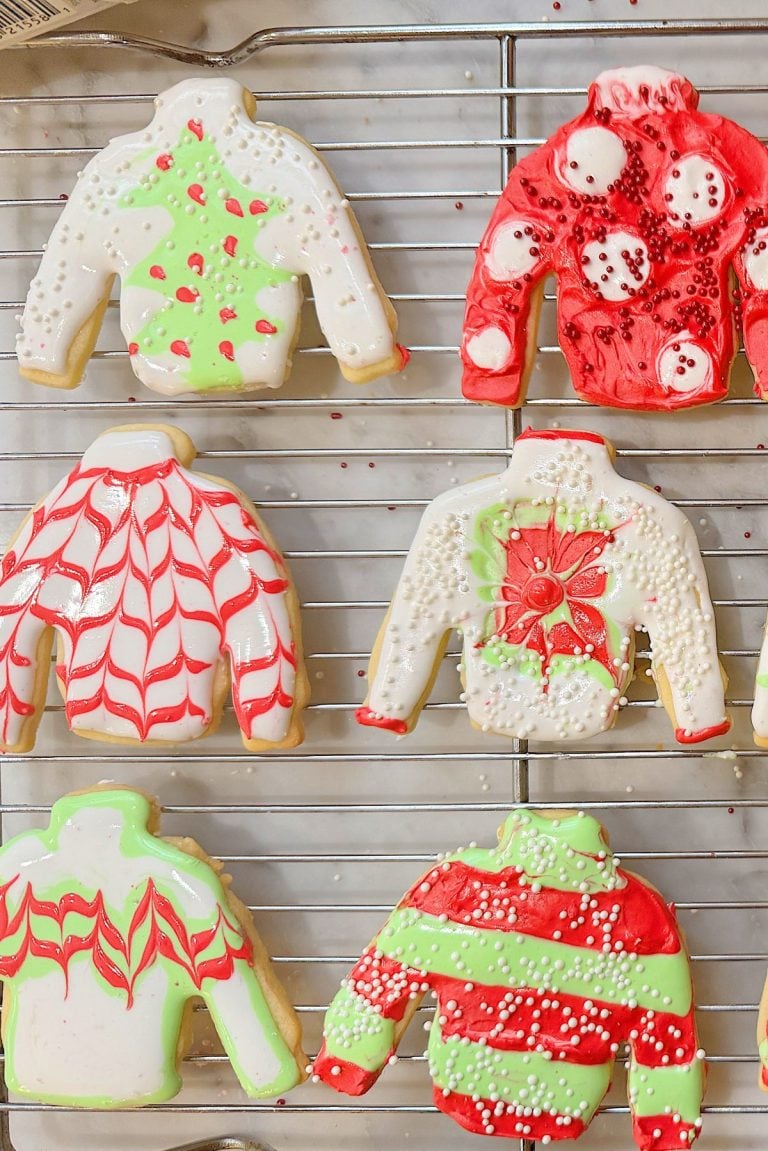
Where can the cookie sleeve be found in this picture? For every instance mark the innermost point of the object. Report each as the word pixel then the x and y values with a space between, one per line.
pixel 515 254
pixel 666 1068
pixel 70 289
pixel 425 608
pixel 678 614
pixel 751 262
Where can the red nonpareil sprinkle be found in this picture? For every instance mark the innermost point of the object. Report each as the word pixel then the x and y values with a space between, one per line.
pixel 336 416
pixel 133 349
pixel 180 348
pixel 187 295
pixel 360 673
pixel 230 245
pixel 556 5
pixel 257 207
pixel 731 810
pixel 459 206
pixel 761 447
pixel 265 327
pixel 747 535
pixel 227 314
pixel 63 196
pixel 196 193
pixel 392 508
pixel 371 464
pixel 156 272
pixel 227 350
pixel 657 488
pixel 164 161
pixel 196 128
pixel 343 464
pixel 234 206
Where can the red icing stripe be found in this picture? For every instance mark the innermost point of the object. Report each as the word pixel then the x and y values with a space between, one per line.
pixel 670 1133
pixel 368 718
pixel 684 736
pixel 643 923
pixel 469 1113
pixel 559 434
pixel 349 1079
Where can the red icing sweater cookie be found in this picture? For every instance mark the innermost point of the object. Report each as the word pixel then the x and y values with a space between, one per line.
pixel 641 206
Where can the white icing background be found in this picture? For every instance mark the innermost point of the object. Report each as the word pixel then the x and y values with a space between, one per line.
pixel 203 773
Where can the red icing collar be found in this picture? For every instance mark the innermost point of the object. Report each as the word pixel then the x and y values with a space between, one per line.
pixel 559 434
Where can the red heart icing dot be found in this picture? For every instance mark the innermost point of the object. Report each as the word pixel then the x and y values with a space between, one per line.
pixel 195 261
pixel 265 327
pixel 133 349
pixel 196 193
pixel 227 314
pixel 156 272
pixel 257 207
pixel 187 295
pixel 232 205
pixel 180 348
pixel 196 128
pixel 164 161
pixel 226 349
pixel 230 245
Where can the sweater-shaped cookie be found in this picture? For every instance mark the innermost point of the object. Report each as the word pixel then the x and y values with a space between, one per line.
pixel 210 219
pixel 108 935
pixel 642 206
pixel 547 570
pixel 545 958
pixel 161 585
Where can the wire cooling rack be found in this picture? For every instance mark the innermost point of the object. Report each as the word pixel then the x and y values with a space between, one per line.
pixel 421 123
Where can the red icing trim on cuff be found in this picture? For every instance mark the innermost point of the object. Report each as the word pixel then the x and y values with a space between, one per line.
pixel 559 434
pixel 349 1080
pixel 368 718
pixel 670 1133
pixel 683 736
pixel 405 355
pixel 485 388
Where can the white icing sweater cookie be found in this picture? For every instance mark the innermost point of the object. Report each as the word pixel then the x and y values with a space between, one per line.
pixel 547 570
pixel 210 219
pixel 107 935
pixel 159 582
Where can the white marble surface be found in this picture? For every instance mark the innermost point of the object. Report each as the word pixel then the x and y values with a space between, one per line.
pixel 204 776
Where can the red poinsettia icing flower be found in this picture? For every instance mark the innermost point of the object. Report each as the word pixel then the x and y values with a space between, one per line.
pixel 546 568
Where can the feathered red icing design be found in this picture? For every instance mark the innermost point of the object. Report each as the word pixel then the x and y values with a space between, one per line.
pixel 151 578
pixel 115 955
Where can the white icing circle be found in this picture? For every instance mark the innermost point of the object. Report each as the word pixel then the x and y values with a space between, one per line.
pixel 599 158
pixel 684 366
pixel 756 259
pixel 489 349
pixel 616 265
pixel 694 191
pixel 509 253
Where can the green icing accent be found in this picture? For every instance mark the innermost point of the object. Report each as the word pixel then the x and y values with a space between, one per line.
pixel 563 853
pixel 509 959
pixel 137 841
pixel 354 1031
pixel 229 280
pixel 677 1090
pixel 762 680
pixel 527 1079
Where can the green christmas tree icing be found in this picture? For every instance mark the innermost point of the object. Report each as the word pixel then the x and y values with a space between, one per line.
pixel 206 265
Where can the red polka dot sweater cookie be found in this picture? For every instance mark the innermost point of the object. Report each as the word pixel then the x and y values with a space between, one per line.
pixel 642 206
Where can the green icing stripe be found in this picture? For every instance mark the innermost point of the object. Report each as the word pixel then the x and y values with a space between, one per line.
pixel 355 1032
pixel 762 680
pixel 527 1079
pixel 678 1090
pixel 510 959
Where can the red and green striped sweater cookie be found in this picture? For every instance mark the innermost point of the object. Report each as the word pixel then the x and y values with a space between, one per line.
pixel 546 959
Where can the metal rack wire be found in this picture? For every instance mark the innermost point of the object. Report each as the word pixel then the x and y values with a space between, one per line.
pixel 396 796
